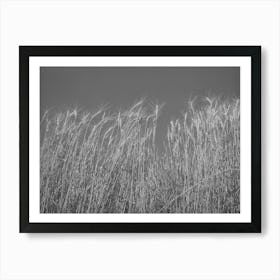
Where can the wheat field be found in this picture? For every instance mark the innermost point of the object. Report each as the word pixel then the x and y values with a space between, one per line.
pixel 109 161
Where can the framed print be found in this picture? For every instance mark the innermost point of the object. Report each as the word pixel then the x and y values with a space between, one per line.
pixel 140 138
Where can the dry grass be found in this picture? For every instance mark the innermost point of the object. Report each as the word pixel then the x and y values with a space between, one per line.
pixel 107 162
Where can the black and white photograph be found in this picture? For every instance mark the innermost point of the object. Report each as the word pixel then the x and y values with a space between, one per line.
pixel 140 139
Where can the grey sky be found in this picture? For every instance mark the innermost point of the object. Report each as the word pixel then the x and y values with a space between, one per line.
pixel 87 88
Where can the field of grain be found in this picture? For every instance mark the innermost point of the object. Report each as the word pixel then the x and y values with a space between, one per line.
pixel 109 162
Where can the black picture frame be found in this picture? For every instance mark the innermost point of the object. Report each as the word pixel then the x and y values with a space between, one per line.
pixel 25 52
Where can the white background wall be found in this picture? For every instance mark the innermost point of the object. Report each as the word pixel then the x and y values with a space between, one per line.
pixel 139 256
